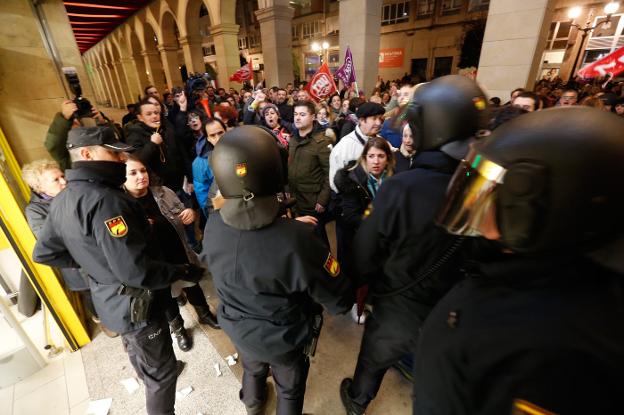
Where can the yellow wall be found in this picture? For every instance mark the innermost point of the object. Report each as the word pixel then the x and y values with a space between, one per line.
pixel 30 90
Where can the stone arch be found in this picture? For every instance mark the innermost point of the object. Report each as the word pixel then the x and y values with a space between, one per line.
pixel 111 74
pixel 102 70
pixel 188 18
pixel 168 47
pixel 153 63
pixel 133 45
pixel 227 11
pixel 93 73
pixel 120 71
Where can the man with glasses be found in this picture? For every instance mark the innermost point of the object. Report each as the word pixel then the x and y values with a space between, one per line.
pixel 568 98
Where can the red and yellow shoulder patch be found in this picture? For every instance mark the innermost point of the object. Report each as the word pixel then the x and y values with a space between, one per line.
pixel 116 226
pixel 522 407
pixel 332 266
pixel 241 169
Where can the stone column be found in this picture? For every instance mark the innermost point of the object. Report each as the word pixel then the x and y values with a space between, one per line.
pixel 112 90
pixel 193 54
pixel 515 37
pixel 360 25
pixel 139 63
pixel 124 90
pixel 275 29
pixel 153 68
pixel 225 37
pixel 169 56
pixel 97 78
pixel 132 79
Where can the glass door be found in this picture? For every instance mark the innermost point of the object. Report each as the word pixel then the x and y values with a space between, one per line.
pixel 31 335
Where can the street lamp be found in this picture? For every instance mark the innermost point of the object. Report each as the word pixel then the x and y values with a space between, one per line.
pixel 320 49
pixel 575 12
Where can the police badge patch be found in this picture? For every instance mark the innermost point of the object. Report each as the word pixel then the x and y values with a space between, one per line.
pixel 116 226
pixel 332 266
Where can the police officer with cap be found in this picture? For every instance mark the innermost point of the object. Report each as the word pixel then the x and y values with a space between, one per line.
pixel 538 328
pixel 270 272
pixel 94 225
pixel 407 262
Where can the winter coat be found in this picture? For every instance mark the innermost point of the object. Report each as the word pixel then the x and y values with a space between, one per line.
pixel 355 197
pixel 308 170
pixel 167 160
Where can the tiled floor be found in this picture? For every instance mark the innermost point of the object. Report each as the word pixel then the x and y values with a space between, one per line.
pixel 60 388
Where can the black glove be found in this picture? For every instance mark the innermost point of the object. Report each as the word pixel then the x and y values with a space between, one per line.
pixel 192 272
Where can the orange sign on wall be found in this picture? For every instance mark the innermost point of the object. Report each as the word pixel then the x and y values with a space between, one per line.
pixel 391 58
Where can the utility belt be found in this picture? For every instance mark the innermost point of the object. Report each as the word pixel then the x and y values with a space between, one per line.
pixel 309 349
pixel 140 302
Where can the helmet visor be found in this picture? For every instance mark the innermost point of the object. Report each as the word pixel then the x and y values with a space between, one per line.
pixel 470 195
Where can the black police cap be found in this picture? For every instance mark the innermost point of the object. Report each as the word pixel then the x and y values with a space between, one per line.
pixel 96 136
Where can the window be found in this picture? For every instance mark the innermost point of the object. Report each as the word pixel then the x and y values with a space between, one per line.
pixel 296 32
pixel 311 29
pixel 395 13
pixel 419 69
pixel 242 43
pixel 478 5
pixel 606 29
pixel 254 41
pixel 424 8
pixel 608 36
pixel 442 66
pixel 451 6
pixel 558 35
pixel 209 51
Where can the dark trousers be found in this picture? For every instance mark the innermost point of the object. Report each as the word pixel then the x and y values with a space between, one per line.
pixel 151 353
pixel 383 345
pixel 290 375
pixel 195 296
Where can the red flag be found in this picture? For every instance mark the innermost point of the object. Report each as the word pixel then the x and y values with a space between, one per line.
pixel 322 84
pixel 612 64
pixel 245 73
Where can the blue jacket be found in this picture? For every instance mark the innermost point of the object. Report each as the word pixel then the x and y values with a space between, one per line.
pixel 202 173
pixel 395 137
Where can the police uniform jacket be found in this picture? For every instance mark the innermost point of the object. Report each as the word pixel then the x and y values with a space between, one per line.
pixel 94 224
pixel 398 243
pixel 308 170
pixel 36 213
pixel 525 336
pixel 267 280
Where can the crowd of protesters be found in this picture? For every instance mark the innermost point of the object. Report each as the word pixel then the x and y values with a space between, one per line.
pixel 338 152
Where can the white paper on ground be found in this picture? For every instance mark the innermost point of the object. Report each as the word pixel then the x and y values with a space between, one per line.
pixel 183 393
pixel 99 407
pixel 217 369
pixel 130 384
pixel 231 359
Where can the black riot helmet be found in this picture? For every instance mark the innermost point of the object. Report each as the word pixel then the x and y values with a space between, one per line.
pixel 249 172
pixel 550 180
pixel 449 108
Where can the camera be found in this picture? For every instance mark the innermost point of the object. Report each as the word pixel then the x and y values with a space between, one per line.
pixel 83 104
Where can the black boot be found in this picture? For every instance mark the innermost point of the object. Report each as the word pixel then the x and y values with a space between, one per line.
pixel 205 316
pixel 351 407
pixel 185 342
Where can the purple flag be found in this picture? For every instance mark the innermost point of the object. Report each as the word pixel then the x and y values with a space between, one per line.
pixel 346 73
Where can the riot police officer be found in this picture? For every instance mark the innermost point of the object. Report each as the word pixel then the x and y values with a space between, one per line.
pixel 408 263
pixel 93 224
pixel 538 328
pixel 270 272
